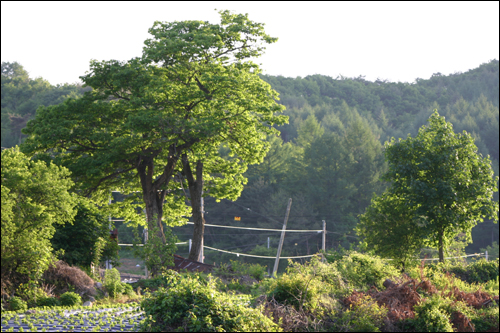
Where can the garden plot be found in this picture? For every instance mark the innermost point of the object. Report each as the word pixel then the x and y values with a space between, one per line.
pixel 121 319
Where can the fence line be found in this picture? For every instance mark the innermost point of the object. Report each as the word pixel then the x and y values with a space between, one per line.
pixel 469 255
pixel 256 256
pixel 232 227
pixel 143 244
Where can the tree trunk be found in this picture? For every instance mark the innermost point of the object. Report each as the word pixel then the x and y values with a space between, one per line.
pixel 153 196
pixel 440 240
pixel 196 191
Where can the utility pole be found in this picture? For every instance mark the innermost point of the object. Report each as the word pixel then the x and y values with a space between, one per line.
pixel 280 246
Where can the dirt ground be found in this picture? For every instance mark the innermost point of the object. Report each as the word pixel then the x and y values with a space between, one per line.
pixel 129 266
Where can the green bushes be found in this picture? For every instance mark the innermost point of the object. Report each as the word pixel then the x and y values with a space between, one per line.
pixel 70 299
pixel 30 293
pixel 479 271
pixel 363 315
pixel 433 315
pixel 112 282
pixel 190 304
pixel 361 271
pixel 16 304
pixel 47 301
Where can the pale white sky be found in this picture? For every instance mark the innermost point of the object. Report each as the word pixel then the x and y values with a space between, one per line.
pixel 398 41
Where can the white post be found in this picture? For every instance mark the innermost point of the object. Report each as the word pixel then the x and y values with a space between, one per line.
pixel 267 242
pixel 145 241
pixel 280 246
pixel 200 258
pixel 189 245
pixel 486 255
pixel 108 262
pixel 323 246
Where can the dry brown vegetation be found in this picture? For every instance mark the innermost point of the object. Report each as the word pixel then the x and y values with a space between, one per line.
pixel 62 276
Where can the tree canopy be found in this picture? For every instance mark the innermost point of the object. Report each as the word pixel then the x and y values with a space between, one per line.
pixel 191 92
pixel 442 181
pixel 35 198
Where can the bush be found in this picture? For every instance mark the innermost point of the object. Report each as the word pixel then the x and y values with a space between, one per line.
pixel 30 293
pixel 432 315
pixel 70 299
pixel 47 301
pixel 128 290
pixel 16 304
pixel 298 290
pixel 192 305
pixel 362 271
pixel 363 315
pixel 480 271
pixel 254 270
pixel 112 282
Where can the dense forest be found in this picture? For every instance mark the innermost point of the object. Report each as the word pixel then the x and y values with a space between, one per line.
pixel 328 159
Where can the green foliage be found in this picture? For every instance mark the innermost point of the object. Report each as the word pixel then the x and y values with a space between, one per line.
pixel 254 270
pixel 36 198
pixel 492 251
pixel 70 299
pixel 192 305
pixel 47 301
pixel 184 100
pixel 30 293
pixel 112 282
pixel 21 96
pixel 16 304
pixel 433 315
pixel 305 287
pixel 479 271
pixel 447 186
pixel 128 290
pixel 156 254
pixel 384 228
pixel 365 315
pixel 486 319
pixel 299 290
pixel 90 228
pixel 360 271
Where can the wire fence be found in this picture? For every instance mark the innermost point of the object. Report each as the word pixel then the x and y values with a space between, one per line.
pixel 238 254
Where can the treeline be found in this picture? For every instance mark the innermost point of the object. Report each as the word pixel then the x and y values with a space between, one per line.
pixel 328 158
pixel 22 95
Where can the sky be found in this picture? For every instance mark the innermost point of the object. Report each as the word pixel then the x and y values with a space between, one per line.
pixel 394 41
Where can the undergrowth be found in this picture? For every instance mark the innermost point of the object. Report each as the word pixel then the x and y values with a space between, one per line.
pixel 350 292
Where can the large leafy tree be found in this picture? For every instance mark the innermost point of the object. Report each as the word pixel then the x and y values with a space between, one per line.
pixel 35 197
pixel 190 92
pixel 442 180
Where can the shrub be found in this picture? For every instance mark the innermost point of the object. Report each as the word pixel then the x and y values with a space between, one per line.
pixel 363 315
pixel 432 315
pixel 30 293
pixel 254 270
pixel 47 301
pixel 193 305
pixel 112 282
pixel 479 271
pixel 362 271
pixel 16 303
pixel 128 290
pixel 70 299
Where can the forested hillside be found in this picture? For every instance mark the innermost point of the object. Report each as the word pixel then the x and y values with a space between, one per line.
pixel 328 159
